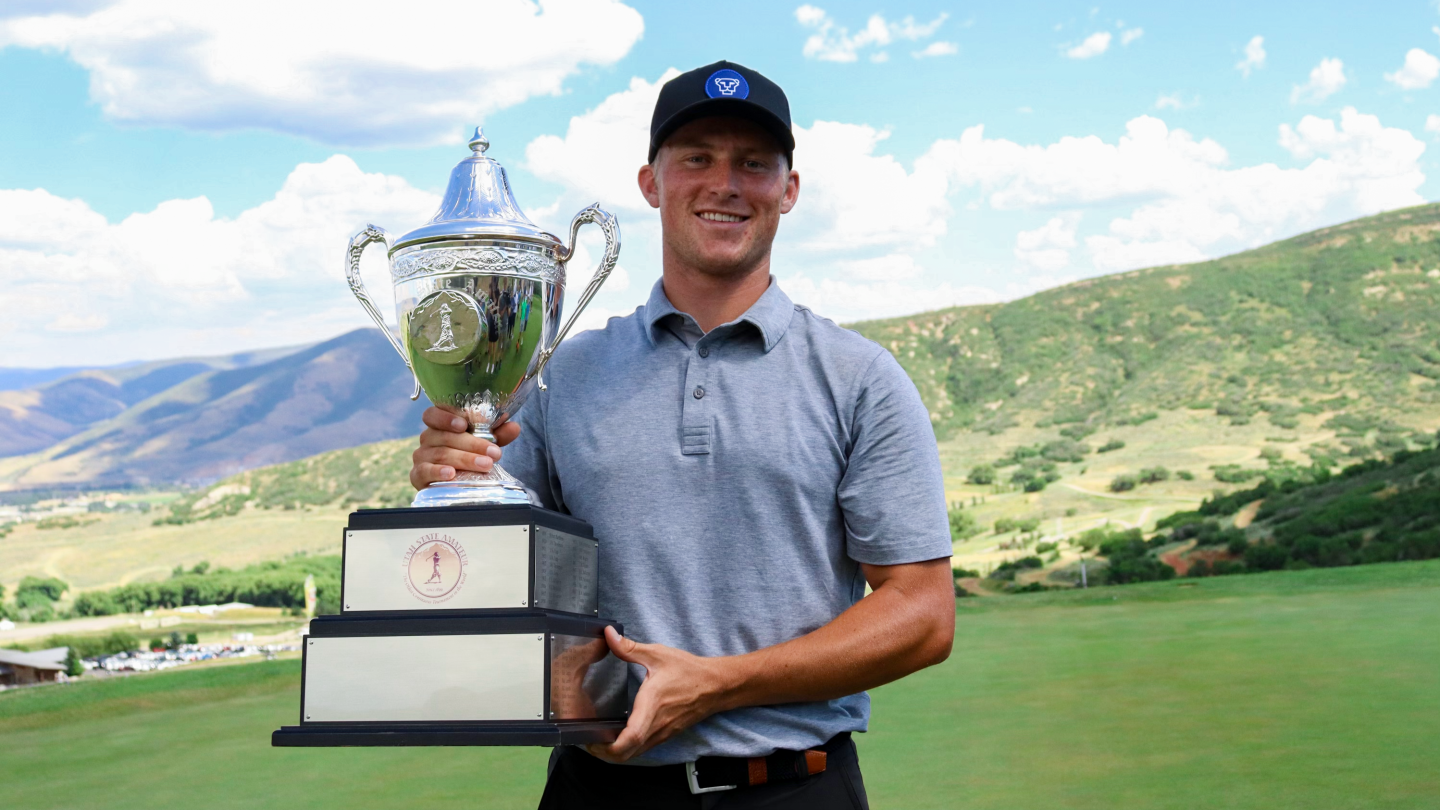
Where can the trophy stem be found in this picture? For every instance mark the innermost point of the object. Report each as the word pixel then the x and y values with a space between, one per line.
pixel 495 488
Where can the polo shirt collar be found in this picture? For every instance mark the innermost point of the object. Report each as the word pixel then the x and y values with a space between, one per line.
pixel 770 314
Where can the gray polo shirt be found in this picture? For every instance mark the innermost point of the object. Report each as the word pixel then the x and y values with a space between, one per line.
pixel 736 479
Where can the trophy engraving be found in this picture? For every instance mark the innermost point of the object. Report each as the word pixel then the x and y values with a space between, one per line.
pixel 478 292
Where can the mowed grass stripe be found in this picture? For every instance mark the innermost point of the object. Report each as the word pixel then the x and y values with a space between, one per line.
pixel 1316 689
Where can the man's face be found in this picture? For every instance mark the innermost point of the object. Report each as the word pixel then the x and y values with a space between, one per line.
pixel 721 185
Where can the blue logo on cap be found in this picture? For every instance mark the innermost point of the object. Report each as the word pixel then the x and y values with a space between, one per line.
pixel 726 83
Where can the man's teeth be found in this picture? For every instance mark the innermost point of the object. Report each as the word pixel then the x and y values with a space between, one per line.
pixel 713 217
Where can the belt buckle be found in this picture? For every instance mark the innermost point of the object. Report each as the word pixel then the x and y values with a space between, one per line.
pixel 695 789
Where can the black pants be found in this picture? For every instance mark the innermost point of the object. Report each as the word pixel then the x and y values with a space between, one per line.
pixel 579 781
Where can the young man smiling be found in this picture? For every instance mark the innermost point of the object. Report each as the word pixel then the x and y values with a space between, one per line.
pixel 748 468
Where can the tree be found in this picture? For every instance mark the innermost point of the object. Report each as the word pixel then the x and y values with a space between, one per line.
pixel 191 638
pixel 1122 483
pixel 156 644
pixel 1154 475
pixel 34 592
pixel 963 525
pixel 982 474
pixel 73 666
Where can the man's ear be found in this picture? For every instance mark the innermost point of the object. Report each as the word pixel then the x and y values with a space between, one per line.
pixel 792 192
pixel 648 186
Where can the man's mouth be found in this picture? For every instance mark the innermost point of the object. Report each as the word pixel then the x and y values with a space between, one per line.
pixel 715 216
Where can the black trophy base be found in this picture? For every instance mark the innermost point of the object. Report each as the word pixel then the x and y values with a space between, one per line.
pixel 420 734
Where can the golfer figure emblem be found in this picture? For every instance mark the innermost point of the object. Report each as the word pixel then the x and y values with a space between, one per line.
pixel 434 568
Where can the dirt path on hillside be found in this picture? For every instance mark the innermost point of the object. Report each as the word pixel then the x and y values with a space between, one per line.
pixel 1108 496
pixel 1246 515
pixel 1174 560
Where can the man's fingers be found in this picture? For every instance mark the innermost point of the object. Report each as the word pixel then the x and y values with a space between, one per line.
pixel 460 441
pixel 632 652
pixel 444 420
pixel 450 457
pixel 423 474
pixel 506 433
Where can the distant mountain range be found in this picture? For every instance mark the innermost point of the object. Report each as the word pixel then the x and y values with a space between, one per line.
pixel 1344 320
pixel 200 419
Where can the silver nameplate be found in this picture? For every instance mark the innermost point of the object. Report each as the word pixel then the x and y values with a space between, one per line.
pixel 416 679
pixel 459 567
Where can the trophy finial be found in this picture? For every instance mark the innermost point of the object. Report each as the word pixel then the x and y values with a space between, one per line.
pixel 478 142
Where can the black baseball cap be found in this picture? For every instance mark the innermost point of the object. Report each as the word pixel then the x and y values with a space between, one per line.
pixel 723 88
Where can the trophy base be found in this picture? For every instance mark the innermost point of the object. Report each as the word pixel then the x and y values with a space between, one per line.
pixel 495 488
pixel 420 734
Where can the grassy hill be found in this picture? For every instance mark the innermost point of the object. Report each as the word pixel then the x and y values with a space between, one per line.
pixel 1342 319
pixel 1276 691
pixel 1320 350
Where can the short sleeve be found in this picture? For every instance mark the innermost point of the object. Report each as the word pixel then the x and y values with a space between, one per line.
pixel 893 493
pixel 528 457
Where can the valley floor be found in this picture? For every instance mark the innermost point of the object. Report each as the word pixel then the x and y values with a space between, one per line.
pixel 1312 689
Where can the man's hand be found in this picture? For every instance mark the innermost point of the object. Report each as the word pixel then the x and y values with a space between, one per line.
pixel 906 624
pixel 446 447
pixel 679 691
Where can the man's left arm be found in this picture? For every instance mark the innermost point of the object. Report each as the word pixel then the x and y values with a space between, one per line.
pixel 893 499
pixel 905 624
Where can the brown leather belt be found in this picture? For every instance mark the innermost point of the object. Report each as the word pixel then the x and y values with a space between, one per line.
pixel 714 774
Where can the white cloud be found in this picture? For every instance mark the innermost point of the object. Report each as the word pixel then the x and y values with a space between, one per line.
pixel 325 69
pixel 846 301
pixel 1048 247
pixel 1094 45
pixel 1187 203
pixel 1419 70
pixel 1175 101
pixel 272 274
pixel 1326 79
pixel 937 48
pixel 833 42
pixel 1432 124
pixel 1130 35
pixel 1254 56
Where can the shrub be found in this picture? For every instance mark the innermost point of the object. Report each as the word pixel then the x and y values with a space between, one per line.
pixel 1042 548
pixel 1064 450
pixel 1076 432
pixel 982 474
pixel 1123 483
pixel 964 573
pixel 1154 475
pixel 1008 570
pixel 1035 484
pixel 1185 475
pixel 1113 444
pixel 34 592
pixel 191 638
pixel 1265 557
pixel 1198 568
pixel 1237 544
pixel 963 525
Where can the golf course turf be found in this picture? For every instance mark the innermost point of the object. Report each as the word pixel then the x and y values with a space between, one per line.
pixel 1306 689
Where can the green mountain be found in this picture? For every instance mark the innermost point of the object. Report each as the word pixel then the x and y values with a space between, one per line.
pixel 1346 318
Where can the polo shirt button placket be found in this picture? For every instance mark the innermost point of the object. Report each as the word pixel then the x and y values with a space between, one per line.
pixel 695 428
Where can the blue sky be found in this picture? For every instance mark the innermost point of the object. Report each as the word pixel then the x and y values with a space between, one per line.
pixel 199 183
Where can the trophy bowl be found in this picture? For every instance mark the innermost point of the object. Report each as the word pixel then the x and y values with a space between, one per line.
pixel 478 292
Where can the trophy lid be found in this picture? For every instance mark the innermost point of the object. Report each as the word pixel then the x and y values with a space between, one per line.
pixel 478 203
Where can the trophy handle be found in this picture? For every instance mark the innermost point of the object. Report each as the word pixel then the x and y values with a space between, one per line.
pixel 358 243
pixel 611 227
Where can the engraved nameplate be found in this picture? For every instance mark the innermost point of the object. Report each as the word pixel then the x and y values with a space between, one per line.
pixel 451 568
pixel 431 678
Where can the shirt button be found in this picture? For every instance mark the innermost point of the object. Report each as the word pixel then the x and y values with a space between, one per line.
pixel 704 351
pixel 699 392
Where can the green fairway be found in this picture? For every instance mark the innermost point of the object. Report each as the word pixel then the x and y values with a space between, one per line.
pixel 1314 689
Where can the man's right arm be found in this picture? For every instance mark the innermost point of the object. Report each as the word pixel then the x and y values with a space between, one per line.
pixel 447 447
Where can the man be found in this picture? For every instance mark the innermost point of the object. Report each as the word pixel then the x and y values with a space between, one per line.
pixel 748 467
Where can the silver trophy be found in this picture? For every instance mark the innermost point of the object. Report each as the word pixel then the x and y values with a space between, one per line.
pixel 477 296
